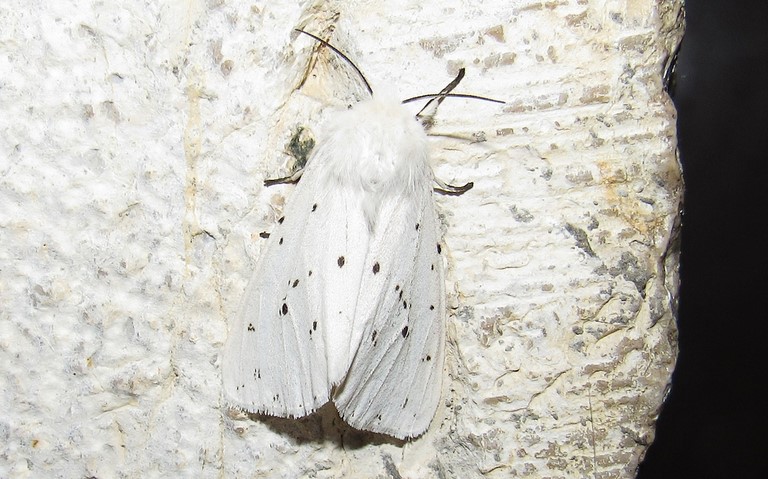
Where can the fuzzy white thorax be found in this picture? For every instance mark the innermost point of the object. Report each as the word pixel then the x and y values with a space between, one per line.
pixel 376 148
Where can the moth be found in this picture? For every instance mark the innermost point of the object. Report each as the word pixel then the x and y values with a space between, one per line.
pixel 347 303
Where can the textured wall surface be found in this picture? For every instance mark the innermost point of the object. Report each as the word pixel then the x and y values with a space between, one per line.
pixel 134 139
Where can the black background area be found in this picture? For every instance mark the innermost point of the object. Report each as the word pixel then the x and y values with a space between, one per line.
pixel 714 422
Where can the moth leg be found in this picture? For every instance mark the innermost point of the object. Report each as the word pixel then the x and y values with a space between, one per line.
pixel 294 178
pixel 453 190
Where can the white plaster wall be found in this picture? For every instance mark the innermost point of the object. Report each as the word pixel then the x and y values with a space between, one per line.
pixel 134 139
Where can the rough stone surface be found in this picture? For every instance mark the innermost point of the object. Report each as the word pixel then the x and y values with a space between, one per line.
pixel 134 139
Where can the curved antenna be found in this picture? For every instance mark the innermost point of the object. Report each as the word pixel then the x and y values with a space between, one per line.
pixel 451 95
pixel 445 92
pixel 338 52
pixel 448 88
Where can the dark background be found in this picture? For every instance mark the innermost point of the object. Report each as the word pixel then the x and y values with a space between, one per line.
pixel 713 424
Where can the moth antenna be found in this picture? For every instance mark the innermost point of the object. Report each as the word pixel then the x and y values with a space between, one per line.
pixel 442 187
pixel 448 88
pixel 451 95
pixel 344 57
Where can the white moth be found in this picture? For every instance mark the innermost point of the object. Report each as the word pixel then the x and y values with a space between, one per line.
pixel 348 301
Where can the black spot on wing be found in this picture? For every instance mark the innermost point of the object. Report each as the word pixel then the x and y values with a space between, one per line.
pixel 281 241
pixel 417 227
pixel 439 248
pixel 314 207
pixel 376 267
pixel 280 221
pixel 264 235
pixel 431 307
pixel 340 261
pixel 295 282
pixel 404 332
pixel 284 309
pixel 250 327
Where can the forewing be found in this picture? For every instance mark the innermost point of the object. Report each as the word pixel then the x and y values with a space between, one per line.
pixel 282 355
pixel 393 384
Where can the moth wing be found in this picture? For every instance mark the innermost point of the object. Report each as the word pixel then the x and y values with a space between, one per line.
pixel 394 382
pixel 281 356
